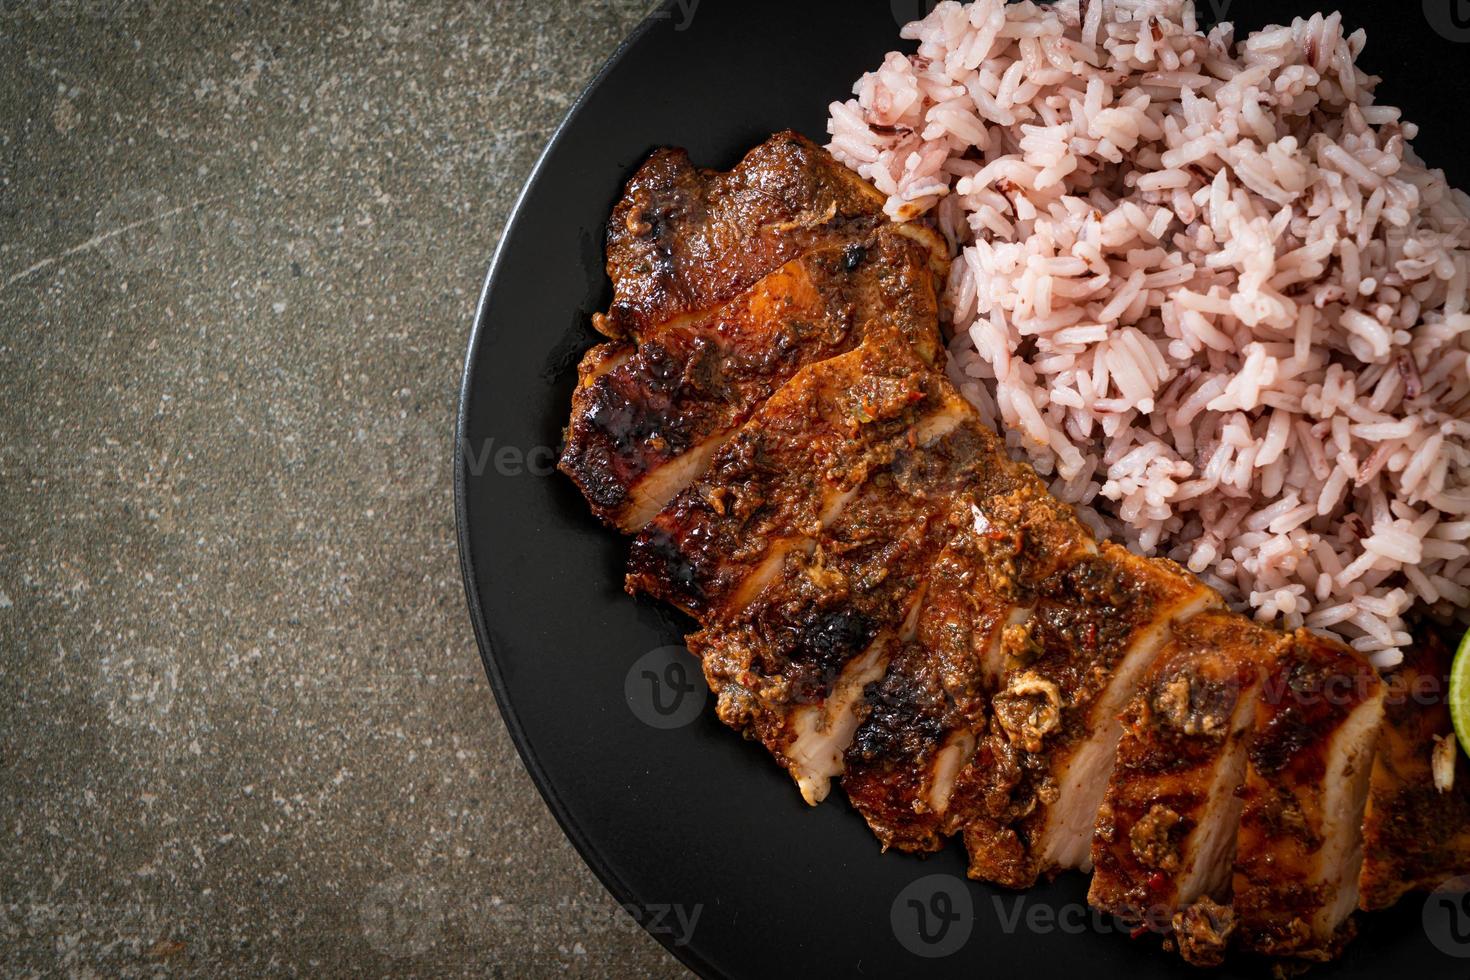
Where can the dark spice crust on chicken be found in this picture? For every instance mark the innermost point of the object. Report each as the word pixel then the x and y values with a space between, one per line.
pixel 1086 616
pixel 935 689
pixel 904 719
pixel 938 688
pixel 1202 932
pixel 825 433
pixel 1177 733
pixel 682 239
pixel 861 579
pixel 1416 835
pixel 1312 690
pixel 686 386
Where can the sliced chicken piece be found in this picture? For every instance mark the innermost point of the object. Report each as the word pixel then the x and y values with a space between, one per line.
pixel 1165 835
pixel 683 240
pixel 1039 776
pixel 1299 849
pixel 792 668
pixel 1416 829
pixel 787 474
pixel 920 724
pixel 905 722
pixel 647 419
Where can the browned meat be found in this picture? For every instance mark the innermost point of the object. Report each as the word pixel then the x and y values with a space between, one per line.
pixel 1202 932
pixel 1416 831
pixel 1041 772
pixel 921 722
pixel 885 597
pixel 920 708
pixel 1299 848
pixel 787 474
pixel 682 240
pixel 1166 832
pixel 647 418
pixel 791 668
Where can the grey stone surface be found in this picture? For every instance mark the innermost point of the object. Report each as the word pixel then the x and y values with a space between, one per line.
pixel 243 725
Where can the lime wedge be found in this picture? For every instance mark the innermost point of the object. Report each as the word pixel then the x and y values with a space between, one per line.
pixel 1460 693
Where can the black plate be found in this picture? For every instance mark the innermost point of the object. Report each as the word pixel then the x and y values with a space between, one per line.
pixel 686 818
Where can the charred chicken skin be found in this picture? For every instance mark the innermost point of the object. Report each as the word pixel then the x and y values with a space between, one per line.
pixel 888 602
pixel 923 720
pixel 1416 832
pixel 1299 847
pixel 1165 835
pixel 647 417
pixel 682 240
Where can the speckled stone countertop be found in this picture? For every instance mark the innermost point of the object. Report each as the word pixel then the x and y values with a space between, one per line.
pixel 243 724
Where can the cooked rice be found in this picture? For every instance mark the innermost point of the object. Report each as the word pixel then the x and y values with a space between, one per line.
pixel 1204 286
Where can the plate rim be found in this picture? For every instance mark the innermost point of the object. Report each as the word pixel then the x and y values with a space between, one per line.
pixel 479 333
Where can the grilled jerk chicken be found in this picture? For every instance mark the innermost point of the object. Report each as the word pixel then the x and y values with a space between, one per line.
pixel 805 546
pixel 646 418
pixel 682 240
pixel 1165 835
pixel 1070 669
pixel 793 669
pixel 1416 832
pixel 886 599
pixel 1299 848
pixel 787 474
pixel 921 724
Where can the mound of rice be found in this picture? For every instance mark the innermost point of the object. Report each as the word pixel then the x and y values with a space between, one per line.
pixel 1205 287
